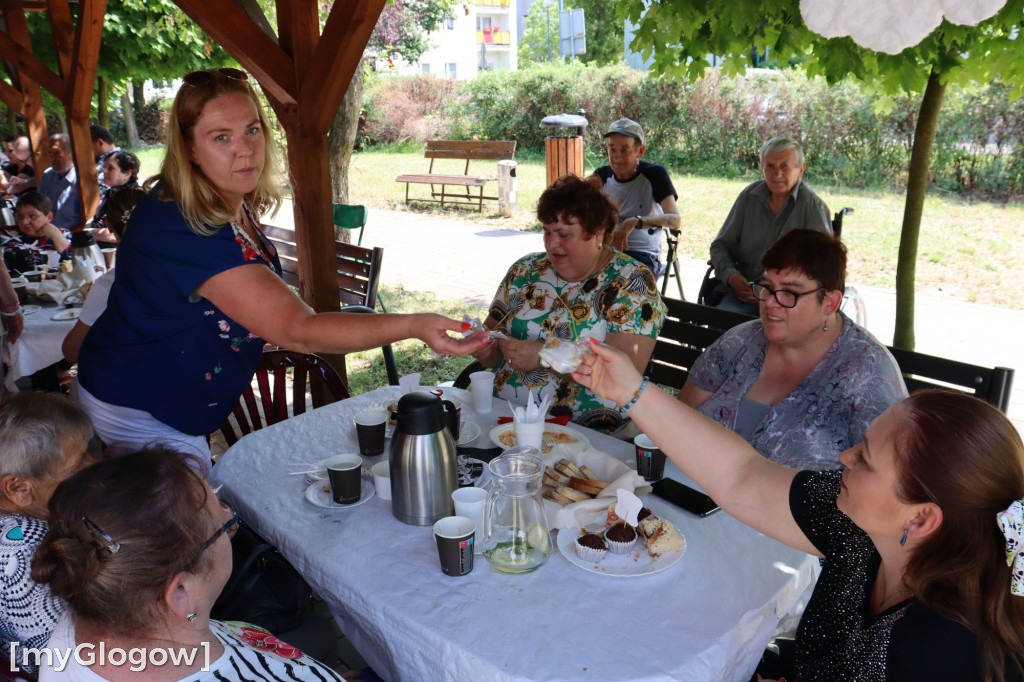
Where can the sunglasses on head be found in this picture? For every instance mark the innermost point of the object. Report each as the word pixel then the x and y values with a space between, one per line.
pixel 198 78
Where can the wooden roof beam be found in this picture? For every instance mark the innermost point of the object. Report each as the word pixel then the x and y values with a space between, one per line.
pixel 85 58
pixel 337 56
pixel 226 23
pixel 27 63
pixel 63 31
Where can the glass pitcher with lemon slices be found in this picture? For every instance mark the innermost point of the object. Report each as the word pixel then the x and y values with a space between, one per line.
pixel 515 533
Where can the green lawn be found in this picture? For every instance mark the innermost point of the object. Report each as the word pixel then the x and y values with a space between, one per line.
pixel 968 249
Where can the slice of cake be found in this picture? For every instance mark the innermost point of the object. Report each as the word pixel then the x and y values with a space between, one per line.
pixel 664 539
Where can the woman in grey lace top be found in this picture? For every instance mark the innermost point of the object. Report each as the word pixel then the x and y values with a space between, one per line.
pixel 801 383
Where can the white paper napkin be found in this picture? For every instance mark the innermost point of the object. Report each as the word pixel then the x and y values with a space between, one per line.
pixel 409 383
pixel 605 468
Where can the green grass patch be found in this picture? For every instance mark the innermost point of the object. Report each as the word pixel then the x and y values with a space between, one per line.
pixel 366 370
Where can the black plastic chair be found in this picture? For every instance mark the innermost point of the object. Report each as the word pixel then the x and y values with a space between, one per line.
pixel 272 406
pixel 920 371
pixel 462 381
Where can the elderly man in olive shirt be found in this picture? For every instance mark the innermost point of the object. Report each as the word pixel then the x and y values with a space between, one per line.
pixel 763 212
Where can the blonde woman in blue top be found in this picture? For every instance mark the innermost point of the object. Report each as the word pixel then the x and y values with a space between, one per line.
pixel 198 292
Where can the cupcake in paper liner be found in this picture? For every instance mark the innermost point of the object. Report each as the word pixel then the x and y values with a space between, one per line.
pixel 590 547
pixel 620 538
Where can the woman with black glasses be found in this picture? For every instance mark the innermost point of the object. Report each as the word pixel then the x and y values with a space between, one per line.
pixel 138 548
pixel 801 383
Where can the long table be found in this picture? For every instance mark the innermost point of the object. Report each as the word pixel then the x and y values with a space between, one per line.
pixel 705 618
pixel 39 345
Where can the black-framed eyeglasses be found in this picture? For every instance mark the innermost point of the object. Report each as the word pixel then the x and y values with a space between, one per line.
pixel 198 78
pixel 784 297
pixel 231 524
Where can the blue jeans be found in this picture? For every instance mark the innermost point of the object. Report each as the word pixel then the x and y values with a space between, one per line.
pixel 648 259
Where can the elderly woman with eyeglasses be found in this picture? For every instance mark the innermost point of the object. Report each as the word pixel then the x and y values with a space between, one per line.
pixel 198 290
pixel 138 547
pixel 801 383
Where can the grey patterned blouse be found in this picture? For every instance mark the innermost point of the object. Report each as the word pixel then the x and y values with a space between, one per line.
pixel 856 381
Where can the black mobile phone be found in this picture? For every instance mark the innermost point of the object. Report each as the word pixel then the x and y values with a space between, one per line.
pixel 684 497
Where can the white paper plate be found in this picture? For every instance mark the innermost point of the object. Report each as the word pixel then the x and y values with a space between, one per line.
pixel 319 493
pixel 69 314
pixel 579 442
pixel 29 309
pixel 638 562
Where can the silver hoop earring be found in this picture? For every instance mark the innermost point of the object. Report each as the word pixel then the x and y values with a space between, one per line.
pixel 191 617
pixel 903 538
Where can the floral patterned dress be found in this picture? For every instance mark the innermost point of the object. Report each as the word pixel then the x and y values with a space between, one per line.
pixel 534 303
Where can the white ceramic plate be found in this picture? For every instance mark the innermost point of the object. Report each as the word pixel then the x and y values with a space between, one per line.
pixel 29 309
pixel 637 562
pixel 577 440
pixel 319 493
pixel 69 314
pixel 468 432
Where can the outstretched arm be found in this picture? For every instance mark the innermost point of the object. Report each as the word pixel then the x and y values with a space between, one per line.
pixel 750 487
pixel 257 299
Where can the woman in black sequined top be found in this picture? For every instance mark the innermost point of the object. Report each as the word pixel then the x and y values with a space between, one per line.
pixel 916 583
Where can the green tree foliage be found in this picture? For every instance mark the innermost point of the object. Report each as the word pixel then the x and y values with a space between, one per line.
pixel 679 34
pixel 604 29
pixel 405 26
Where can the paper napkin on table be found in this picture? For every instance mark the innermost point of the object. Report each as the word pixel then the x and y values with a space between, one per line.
pixel 605 468
pixel 409 383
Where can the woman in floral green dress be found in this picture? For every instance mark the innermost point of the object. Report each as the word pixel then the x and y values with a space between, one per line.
pixel 579 287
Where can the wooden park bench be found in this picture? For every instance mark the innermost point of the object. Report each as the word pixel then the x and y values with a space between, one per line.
pixel 463 150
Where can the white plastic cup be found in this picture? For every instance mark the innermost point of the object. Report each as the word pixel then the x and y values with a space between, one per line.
pixel 382 479
pixel 469 502
pixel 481 384
pixel 529 435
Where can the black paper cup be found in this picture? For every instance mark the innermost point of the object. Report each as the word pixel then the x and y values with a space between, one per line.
pixel 346 475
pixel 650 460
pixel 370 430
pixel 455 537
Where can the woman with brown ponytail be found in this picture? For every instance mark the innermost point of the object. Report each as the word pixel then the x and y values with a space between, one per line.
pixel 920 532
pixel 138 547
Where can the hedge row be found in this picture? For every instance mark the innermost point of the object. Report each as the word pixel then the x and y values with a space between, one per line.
pixel 716 125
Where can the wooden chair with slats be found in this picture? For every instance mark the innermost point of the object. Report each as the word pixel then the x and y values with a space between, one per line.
pixel 251 414
pixel 358 273
pixel 689 329
pixel 920 371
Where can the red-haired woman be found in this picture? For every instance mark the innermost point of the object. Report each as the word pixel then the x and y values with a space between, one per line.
pixel 916 583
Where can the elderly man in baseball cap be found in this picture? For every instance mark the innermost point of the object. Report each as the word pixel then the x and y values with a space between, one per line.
pixel 643 191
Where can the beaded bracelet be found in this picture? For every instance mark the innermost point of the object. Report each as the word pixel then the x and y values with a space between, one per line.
pixel 13 313
pixel 636 396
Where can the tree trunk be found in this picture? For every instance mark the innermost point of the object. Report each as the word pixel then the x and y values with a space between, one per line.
pixel 102 93
pixel 12 120
pixel 139 92
pixel 129 122
pixel 342 139
pixel 917 187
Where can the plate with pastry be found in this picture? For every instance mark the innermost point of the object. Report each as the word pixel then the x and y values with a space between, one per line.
pixel 623 551
pixel 504 437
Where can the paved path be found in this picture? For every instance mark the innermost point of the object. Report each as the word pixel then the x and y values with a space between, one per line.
pixel 462 260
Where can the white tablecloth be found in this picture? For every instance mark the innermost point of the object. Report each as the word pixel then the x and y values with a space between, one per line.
pixel 706 618
pixel 39 345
